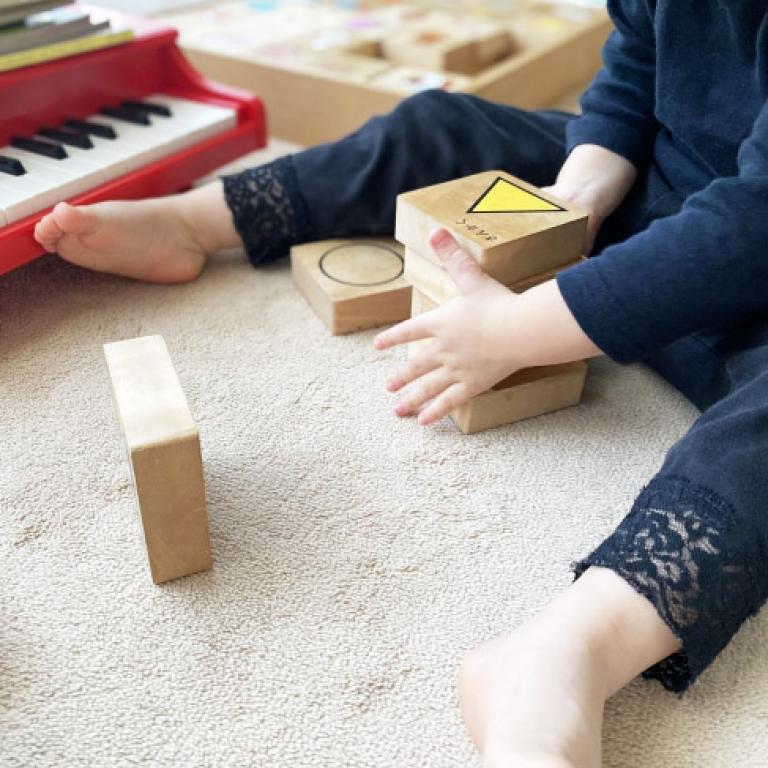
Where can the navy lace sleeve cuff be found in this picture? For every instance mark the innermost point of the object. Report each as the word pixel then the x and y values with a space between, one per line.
pixel 269 213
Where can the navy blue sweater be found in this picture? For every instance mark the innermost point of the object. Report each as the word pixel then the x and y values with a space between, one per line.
pixel 683 84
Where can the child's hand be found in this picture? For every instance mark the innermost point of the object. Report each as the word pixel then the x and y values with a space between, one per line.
pixel 596 180
pixel 587 198
pixel 472 339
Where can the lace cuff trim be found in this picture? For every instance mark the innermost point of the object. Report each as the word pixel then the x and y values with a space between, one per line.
pixel 269 213
pixel 704 570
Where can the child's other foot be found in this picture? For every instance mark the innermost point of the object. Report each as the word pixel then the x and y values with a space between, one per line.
pixel 146 240
pixel 534 699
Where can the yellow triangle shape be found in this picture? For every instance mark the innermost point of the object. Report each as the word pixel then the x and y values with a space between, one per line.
pixel 504 197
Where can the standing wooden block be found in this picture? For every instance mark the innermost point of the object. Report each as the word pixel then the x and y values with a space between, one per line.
pixel 436 284
pixel 163 448
pixel 353 284
pixel 526 393
pixel 512 228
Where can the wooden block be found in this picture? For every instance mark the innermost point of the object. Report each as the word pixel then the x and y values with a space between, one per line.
pixel 221 46
pixel 420 303
pixel 353 284
pixel 512 228
pixel 298 54
pixel 434 282
pixel 530 392
pixel 163 449
pixel 526 393
pixel 463 46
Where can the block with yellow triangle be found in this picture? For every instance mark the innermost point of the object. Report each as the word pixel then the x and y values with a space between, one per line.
pixel 522 237
pixel 512 228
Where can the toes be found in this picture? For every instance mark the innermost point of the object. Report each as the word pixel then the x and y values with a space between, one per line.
pixel 73 220
pixel 48 233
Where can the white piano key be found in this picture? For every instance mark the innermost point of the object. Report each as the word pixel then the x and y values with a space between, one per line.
pixel 38 166
pixel 27 195
pixel 49 181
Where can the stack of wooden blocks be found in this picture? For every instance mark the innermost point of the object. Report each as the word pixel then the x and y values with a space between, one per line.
pixel 521 237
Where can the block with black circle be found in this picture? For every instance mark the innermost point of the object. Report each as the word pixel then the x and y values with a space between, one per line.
pixel 353 284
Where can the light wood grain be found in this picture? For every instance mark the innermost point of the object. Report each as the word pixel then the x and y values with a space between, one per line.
pixel 509 246
pixel 353 284
pixel 431 279
pixel 310 103
pixel 163 448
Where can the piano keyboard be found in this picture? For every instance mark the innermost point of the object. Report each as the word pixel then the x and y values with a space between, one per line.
pixel 38 171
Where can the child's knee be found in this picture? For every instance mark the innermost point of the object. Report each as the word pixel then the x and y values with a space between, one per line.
pixel 429 107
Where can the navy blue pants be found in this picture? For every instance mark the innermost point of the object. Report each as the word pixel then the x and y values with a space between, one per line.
pixel 695 542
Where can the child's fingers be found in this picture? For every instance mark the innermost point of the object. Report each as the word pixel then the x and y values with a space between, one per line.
pixel 461 266
pixel 442 405
pixel 423 390
pixel 409 330
pixel 423 363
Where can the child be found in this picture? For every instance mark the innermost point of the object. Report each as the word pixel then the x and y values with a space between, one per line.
pixel 670 159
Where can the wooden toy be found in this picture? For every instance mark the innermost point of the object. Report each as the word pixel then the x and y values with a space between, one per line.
pixel 163 449
pixel 353 284
pixel 205 126
pixel 526 393
pixel 512 228
pixel 436 284
pixel 555 50
pixel 440 43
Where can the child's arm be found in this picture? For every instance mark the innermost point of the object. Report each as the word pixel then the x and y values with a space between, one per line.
pixel 703 267
pixel 614 135
pixel 618 108
pixel 480 337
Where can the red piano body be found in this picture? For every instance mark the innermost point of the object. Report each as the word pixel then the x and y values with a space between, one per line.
pixel 79 86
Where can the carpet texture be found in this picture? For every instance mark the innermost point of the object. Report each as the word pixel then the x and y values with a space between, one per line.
pixel 357 556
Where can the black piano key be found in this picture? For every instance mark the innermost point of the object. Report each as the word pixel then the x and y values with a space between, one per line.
pixel 150 107
pixel 135 116
pixel 40 147
pixel 67 136
pixel 12 166
pixel 94 129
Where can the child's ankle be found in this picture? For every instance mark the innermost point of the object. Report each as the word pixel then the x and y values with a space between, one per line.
pixel 207 218
pixel 621 630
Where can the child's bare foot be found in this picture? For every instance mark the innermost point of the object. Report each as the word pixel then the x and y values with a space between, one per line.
pixel 164 240
pixel 533 699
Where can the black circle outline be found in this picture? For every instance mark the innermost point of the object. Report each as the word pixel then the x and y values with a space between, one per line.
pixel 372 245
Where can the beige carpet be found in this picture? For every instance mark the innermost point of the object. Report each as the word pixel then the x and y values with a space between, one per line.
pixel 357 556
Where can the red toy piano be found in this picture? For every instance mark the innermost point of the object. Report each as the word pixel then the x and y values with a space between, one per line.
pixel 134 120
